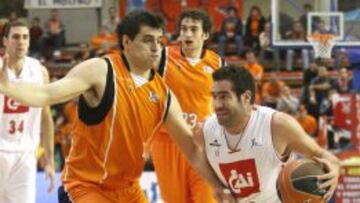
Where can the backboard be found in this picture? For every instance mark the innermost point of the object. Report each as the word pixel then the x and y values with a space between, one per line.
pixel 293 20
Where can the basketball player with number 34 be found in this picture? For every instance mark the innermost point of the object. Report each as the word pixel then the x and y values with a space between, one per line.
pixel 22 125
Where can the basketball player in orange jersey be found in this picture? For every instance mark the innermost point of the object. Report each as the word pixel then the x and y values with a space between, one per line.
pixel 22 128
pixel 188 75
pixel 247 144
pixel 122 104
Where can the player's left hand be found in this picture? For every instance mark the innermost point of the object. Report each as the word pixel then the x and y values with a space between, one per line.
pixel 50 174
pixel 330 179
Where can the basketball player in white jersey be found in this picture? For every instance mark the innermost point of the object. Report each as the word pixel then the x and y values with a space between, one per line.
pixel 246 145
pixel 21 125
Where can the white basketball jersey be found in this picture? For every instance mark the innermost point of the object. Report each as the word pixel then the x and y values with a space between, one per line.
pixel 20 124
pixel 251 171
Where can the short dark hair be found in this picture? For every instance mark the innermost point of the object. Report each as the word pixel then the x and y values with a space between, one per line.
pixel 132 22
pixel 240 78
pixel 8 26
pixel 196 14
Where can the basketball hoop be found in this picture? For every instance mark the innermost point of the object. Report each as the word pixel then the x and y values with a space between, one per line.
pixel 323 44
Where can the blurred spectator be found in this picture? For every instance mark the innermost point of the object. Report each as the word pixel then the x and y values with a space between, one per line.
pixel 287 102
pixel 12 17
pixel 341 58
pixel 321 28
pixel 303 18
pixel 36 33
pixel 343 83
pixel 297 34
pixel 253 66
pixel 286 23
pixel 254 26
pixel 266 51
pixel 103 41
pixel 231 31
pixel 326 106
pixel 309 75
pixel 113 20
pixel 271 91
pixel 319 89
pixel 307 121
pixel 84 53
pixel 55 31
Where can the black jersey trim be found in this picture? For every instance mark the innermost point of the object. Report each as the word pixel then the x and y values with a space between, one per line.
pixel 162 63
pixel 94 115
pixel 167 107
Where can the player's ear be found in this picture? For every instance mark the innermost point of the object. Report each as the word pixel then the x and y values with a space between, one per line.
pixel 206 35
pixel 246 96
pixel 125 40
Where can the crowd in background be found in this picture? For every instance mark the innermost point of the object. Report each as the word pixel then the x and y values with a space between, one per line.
pixel 245 38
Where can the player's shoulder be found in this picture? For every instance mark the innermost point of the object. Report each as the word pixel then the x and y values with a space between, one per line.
pixel 34 65
pixel 263 109
pixel 32 61
pixel 283 122
pixel 211 53
pixel 212 59
pixel 91 68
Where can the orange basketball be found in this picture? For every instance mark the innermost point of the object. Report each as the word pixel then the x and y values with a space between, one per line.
pixel 297 182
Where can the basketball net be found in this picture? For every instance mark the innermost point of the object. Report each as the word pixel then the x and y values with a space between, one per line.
pixel 323 44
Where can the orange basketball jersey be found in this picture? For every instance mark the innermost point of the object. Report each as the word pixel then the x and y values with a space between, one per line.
pixel 191 84
pixel 108 147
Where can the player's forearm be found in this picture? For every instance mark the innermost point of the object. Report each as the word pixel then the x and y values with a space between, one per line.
pixel 330 157
pixel 47 138
pixel 27 93
pixel 42 95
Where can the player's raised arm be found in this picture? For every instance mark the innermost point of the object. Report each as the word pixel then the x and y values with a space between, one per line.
pixel 87 76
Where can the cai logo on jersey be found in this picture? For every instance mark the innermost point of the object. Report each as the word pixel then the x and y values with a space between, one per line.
pixel 241 177
pixel 11 106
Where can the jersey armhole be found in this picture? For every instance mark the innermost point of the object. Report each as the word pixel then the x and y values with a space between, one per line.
pixel 287 152
pixel 94 115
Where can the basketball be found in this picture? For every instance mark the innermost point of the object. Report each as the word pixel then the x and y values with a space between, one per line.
pixel 297 182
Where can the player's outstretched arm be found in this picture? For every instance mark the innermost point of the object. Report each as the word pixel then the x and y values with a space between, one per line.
pixel 183 136
pixel 289 132
pixel 86 76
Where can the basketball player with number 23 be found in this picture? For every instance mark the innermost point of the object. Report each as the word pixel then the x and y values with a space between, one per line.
pixel 247 145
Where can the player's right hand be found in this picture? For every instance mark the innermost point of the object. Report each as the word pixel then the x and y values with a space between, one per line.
pixel 4 80
pixel 224 196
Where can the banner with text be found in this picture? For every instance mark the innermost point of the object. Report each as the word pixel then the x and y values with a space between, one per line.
pixel 348 188
pixel 48 4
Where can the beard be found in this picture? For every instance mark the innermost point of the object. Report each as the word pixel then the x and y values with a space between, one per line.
pixel 225 120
